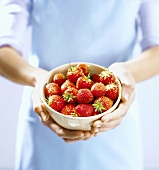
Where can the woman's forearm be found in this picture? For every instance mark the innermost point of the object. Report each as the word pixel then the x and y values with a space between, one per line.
pixel 15 68
pixel 144 66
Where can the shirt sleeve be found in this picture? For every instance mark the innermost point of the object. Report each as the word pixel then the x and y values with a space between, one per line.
pixel 149 18
pixel 14 21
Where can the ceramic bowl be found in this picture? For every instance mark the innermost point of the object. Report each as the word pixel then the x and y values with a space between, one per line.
pixel 70 122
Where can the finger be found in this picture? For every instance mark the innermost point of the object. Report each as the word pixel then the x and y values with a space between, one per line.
pixel 87 138
pixel 128 93
pixel 106 126
pixel 111 124
pixel 95 134
pixel 77 139
pixel 68 141
pixel 116 114
pixel 97 124
pixel 120 111
pixel 60 131
pixel 106 129
pixel 38 107
pixel 102 129
pixel 87 134
pixel 96 131
pixel 64 133
pixel 42 112
pixel 36 101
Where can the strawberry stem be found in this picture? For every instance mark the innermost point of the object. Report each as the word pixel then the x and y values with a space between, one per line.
pixel 68 96
pixel 98 106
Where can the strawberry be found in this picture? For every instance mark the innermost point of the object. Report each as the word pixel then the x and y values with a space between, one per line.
pixel 70 95
pixel 112 91
pixel 102 104
pixel 69 109
pixel 56 102
pixel 84 82
pixel 59 78
pixel 98 89
pixel 84 96
pixel 84 110
pixel 51 89
pixel 65 86
pixel 95 78
pixel 84 68
pixel 74 73
pixel 106 77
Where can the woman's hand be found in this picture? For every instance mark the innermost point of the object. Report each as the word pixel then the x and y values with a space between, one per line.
pixel 112 120
pixel 67 135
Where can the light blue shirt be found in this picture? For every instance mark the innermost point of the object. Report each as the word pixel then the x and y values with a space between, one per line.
pixel 102 32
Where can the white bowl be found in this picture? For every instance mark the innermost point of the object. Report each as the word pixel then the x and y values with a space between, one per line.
pixel 70 122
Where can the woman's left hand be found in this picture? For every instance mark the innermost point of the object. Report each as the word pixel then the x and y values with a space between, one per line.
pixel 112 120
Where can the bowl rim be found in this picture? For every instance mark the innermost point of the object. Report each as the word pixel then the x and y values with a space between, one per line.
pixel 115 105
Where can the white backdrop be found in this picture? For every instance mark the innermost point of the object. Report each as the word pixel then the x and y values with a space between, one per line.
pixel 148 95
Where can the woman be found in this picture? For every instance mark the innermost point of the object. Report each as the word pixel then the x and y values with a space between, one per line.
pixel 103 32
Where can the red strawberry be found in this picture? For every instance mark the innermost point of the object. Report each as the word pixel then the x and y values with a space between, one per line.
pixel 51 89
pixel 59 78
pixel 69 109
pixel 95 78
pixel 84 68
pixel 56 102
pixel 84 82
pixel 65 86
pixel 84 96
pixel 84 110
pixel 70 95
pixel 106 77
pixel 112 91
pixel 74 73
pixel 102 104
pixel 98 89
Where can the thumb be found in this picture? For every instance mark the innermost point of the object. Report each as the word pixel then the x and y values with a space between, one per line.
pixel 38 106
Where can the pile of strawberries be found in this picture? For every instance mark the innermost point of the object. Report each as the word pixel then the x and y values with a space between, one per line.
pixel 80 92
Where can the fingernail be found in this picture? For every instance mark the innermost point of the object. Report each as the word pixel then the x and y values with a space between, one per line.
pixel 95 135
pixel 126 96
pixel 96 130
pixel 99 125
pixel 107 120
pixel 44 116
